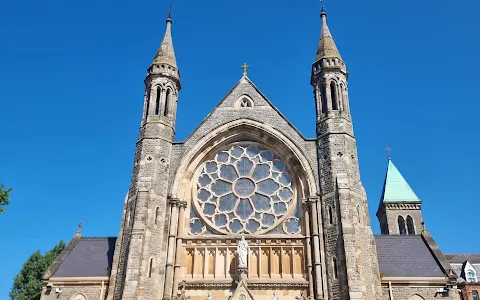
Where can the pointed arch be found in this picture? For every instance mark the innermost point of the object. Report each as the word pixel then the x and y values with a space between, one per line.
pixel 410 226
pixel 168 100
pixel 333 95
pixel 238 130
pixel 401 226
pixel 335 268
pixel 324 99
pixel 341 97
pixel 147 103
pixel 78 296
pixel 330 215
pixel 157 99
pixel 416 297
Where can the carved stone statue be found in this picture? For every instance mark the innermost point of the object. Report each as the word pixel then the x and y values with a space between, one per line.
pixel 209 296
pixel 242 253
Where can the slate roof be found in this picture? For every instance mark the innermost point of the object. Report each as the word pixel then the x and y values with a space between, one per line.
pixel 406 256
pixel 396 188
pixel 457 261
pixel 91 257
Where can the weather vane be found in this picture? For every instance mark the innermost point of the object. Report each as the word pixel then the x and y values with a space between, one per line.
pixel 322 2
pixel 245 68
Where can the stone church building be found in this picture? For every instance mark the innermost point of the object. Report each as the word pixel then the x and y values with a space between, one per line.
pixel 247 172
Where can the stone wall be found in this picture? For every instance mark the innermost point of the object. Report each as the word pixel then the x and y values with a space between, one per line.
pixel 407 292
pixel 90 291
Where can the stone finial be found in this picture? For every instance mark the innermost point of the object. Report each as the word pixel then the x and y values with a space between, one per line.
pixel 326 45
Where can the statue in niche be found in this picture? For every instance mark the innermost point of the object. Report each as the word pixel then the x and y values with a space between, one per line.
pixel 242 253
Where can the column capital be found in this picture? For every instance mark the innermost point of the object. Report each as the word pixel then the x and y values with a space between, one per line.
pixel 173 201
pixel 310 200
pixel 182 204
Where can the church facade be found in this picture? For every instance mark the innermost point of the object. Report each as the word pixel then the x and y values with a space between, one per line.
pixel 248 208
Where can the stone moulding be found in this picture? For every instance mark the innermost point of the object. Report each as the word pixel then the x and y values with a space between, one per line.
pixel 252 284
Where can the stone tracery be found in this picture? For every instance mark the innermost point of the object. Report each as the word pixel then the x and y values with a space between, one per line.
pixel 244 189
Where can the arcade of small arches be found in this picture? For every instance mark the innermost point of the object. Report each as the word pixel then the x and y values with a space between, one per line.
pixel 407 227
pixel 159 101
pixel 333 96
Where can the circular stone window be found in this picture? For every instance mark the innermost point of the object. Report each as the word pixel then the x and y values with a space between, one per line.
pixel 245 189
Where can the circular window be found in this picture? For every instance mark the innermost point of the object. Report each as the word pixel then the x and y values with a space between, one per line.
pixel 245 189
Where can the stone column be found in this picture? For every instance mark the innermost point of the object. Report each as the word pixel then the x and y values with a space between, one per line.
pixel 311 293
pixel 316 248
pixel 171 248
pixel 176 271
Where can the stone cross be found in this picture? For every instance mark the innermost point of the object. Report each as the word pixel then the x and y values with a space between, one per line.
pixel 80 225
pixel 388 151
pixel 245 67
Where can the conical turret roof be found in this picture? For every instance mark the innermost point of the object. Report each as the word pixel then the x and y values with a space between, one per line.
pixel 165 53
pixel 326 45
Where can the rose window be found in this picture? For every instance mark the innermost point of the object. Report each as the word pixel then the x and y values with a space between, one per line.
pixel 245 189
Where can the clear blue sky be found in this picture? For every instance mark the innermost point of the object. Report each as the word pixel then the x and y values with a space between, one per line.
pixel 71 91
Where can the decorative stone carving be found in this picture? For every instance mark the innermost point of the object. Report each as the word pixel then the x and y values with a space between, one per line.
pixel 242 253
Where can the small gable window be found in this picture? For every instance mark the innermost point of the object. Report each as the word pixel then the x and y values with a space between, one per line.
pixel 401 226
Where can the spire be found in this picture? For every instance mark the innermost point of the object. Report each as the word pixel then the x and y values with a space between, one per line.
pixel 326 46
pixel 165 53
pixel 396 188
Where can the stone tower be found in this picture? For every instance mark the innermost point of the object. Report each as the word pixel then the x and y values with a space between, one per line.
pixel 351 259
pixel 399 211
pixel 141 248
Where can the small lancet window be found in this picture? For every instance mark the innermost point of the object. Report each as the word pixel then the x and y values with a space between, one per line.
pixel 167 102
pixel 157 212
pixel 335 268
pixel 157 101
pixel 359 214
pixel 147 105
pixel 150 267
pixel 324 100
pixel 401 226
pixel 410 226
pixel 330 215
pixel 333 93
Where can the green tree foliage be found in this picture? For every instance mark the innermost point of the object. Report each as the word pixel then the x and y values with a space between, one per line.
pixel 4 197
pixel 27 285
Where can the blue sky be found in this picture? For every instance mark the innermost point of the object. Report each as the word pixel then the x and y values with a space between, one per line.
pixel 71 93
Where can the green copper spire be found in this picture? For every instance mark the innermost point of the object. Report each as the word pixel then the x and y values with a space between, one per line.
pixel 396 188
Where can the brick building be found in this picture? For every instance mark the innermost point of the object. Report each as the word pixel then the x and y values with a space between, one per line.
pixel 467 266
pixel 247 172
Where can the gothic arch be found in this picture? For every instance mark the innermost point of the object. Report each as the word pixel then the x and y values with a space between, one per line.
pixel 244 101
pixel 78 296
pixel 244 130
pixel 416 297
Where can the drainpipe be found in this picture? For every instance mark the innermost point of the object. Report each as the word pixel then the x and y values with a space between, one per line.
pixel 390 290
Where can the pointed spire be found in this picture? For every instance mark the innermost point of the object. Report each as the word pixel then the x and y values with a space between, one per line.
pixel 165 53
pixel 396 188
pixel 326 45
